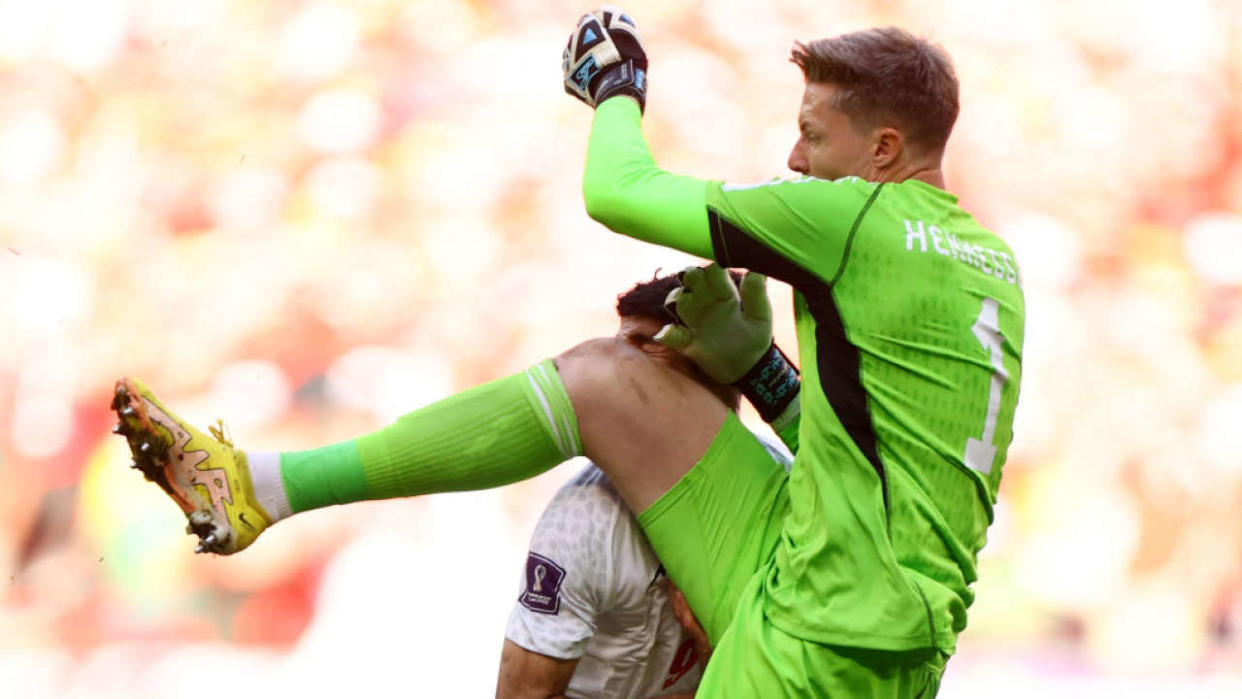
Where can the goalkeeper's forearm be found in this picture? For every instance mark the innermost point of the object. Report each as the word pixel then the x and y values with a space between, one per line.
pixel 625 190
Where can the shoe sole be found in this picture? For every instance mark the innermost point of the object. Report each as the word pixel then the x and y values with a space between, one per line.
pixel 153 451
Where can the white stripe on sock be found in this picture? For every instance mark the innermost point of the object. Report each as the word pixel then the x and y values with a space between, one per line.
pixel 570 433
pixel 547 411
pixel 269 488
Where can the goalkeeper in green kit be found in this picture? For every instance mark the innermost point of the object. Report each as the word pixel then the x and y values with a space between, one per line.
pixel 910 324
pixel 850 576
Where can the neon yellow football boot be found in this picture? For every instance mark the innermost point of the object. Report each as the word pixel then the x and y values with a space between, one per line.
pixel 207 478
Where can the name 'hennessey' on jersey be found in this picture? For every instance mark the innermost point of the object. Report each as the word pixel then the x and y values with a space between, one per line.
pixel 998 263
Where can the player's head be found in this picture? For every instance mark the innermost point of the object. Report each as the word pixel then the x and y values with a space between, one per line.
pixel 642 313
pixel 879 104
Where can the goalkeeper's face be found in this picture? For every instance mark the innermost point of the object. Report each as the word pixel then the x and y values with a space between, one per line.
pixel 638 332
pixel 830 145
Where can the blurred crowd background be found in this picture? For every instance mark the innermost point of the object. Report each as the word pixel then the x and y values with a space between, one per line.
pixel 308 218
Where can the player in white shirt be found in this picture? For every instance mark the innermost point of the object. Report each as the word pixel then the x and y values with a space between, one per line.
pixel 594 603
pixel 594 616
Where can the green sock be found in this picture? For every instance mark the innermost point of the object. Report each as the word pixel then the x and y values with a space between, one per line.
pixel 498 433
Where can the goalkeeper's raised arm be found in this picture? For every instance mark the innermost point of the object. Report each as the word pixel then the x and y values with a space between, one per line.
pixel 624 189
pixel 604 63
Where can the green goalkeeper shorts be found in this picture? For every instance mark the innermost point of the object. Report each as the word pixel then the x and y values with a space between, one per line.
pixel 720 523
pixel 756 659
pixel 716 532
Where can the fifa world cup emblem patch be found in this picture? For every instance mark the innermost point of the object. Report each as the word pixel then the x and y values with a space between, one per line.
pixel 543 585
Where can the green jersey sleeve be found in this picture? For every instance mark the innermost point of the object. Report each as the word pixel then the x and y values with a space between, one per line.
pixel 624 190
pixel 806 222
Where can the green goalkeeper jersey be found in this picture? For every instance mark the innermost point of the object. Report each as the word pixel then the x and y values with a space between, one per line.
pixel 910 324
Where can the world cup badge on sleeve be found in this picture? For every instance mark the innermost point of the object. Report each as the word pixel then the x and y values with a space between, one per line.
pixel 543 585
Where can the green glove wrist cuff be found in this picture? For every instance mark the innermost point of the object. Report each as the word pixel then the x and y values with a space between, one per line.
pixel 771 384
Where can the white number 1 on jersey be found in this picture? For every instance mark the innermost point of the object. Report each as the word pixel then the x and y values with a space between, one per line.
pixel 980 453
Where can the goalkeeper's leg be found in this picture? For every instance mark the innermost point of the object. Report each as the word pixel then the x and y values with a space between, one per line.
pixel 644 423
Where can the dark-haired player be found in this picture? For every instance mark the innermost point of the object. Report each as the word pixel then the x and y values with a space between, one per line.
pixel 594 617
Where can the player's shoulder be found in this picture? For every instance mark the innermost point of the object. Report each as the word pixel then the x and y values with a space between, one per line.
pixel 588 504
pixel 590 476
pixel 821 203
pixel 926 222
pixel 588 530
pixel 945 205
pixel 590 484
pixel 802 184
pixel 590 495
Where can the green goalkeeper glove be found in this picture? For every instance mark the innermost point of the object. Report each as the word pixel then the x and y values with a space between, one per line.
pixel 721 331
pixel 605 57
pixel 729 336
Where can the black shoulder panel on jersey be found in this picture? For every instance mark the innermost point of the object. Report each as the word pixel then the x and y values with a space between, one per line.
pixel 837 359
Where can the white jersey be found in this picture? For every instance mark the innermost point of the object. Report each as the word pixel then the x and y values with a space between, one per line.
pixel 593 589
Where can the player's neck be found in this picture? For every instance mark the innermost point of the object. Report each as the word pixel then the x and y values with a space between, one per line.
pixel 932 175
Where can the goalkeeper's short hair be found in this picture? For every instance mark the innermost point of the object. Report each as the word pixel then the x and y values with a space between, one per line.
pixel 887 74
